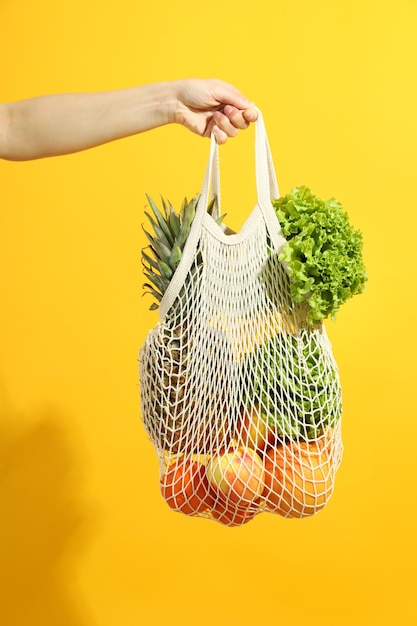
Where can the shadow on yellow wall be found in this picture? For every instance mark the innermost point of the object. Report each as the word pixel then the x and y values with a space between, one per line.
pixel 44 525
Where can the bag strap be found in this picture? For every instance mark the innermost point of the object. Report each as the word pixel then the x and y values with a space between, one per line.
pixel 193 238
pixel 267 189
pixel 266 182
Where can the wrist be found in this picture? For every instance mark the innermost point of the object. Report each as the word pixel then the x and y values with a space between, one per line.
pixel 166 102
pixel 174 107
pixel 144 107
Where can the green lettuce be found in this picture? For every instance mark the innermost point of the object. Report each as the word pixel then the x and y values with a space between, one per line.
pixel 323 252
pixel 297 385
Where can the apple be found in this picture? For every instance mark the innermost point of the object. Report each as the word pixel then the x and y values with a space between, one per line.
pixel 237 475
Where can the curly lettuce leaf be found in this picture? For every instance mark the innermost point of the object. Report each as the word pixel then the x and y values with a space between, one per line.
pixel 323 252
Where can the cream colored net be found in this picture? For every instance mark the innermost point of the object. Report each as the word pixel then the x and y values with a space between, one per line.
pixel 239 395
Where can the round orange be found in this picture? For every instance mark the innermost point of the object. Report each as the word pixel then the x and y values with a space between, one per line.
pixel 299 479
pixel 185 487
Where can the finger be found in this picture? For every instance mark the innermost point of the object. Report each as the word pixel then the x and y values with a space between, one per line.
pixel 220 136
pixel 235 116
pixel 250 114
pixel 222 121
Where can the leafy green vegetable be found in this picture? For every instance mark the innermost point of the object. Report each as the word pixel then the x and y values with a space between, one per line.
pixel 298 386
pixel 323 252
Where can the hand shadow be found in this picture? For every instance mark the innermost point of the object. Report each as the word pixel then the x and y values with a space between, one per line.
pixel 44 524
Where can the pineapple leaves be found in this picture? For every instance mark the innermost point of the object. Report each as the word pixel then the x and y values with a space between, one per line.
pixel 166 271
pixel 174 222
pixel 149 260
pixel 163 252
pixel 162 221
pixel 170 230
pixel 176 254
pixel 187 220
pixel 159 232
pixel 156 294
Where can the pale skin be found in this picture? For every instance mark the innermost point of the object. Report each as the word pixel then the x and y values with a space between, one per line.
pixel 59 124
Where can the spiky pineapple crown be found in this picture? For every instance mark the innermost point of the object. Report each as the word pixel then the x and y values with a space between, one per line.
pixel 162 256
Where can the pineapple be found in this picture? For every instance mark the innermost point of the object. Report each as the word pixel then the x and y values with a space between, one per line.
pixel 167 372
pixel 166 245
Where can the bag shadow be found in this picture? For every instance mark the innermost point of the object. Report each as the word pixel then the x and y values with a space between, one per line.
pixel 45 522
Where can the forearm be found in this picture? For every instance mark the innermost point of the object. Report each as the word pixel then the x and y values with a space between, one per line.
pixel 61 124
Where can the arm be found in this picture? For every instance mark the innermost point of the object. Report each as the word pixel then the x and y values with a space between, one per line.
pixel 62 124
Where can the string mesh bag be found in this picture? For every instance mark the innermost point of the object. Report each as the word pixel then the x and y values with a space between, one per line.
pixel 240 395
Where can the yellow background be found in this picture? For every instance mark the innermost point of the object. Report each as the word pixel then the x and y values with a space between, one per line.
pixel 85 538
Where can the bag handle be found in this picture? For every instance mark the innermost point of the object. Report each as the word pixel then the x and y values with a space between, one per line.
pixel 210 182
pixel 267 189
pixel 266 182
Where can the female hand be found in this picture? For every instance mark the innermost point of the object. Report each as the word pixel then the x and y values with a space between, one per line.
pixel 207 106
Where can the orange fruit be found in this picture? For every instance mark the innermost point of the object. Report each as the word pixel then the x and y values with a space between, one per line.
pixel 185 487
pixel 299 479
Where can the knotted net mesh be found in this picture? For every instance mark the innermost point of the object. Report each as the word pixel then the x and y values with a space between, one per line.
pixel 239 395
